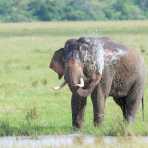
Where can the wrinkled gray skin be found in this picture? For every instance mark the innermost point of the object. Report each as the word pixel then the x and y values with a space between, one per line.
pixel 122 77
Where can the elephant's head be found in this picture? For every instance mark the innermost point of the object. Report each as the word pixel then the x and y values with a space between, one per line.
pixel 78 62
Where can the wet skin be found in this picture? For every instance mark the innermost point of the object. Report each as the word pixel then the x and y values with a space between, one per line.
pixel 122 78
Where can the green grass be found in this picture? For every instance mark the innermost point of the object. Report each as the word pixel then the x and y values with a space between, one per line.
pixel 28 106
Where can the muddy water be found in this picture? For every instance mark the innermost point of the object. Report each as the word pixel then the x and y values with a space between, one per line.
pixel 73 141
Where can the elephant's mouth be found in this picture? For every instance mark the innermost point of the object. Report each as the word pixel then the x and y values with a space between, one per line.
pixel 80 88
pixel 81 84
pixel 75 85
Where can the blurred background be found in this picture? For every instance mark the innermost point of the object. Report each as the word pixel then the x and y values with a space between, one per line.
pixel 51 10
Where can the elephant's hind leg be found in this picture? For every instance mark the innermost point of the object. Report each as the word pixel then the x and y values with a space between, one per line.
pixel 129 104
pixel 78 107
pixel 133 101
pixel 122 103
pixel 130 110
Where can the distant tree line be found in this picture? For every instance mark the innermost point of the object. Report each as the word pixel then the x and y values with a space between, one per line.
pixel 51 10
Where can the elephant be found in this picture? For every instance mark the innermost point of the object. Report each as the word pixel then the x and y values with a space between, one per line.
pixel 100 67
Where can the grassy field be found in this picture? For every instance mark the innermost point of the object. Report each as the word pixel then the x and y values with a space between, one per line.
pixel 28 106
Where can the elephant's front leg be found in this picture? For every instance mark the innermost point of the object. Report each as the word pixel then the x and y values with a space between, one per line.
pixel 78 107
pixel 98 101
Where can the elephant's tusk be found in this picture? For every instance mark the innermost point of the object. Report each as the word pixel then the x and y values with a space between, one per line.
pixel 56 87
pixel 60 86
pixel 81 83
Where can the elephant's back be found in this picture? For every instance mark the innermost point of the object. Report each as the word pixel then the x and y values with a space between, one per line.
pixel 131 63
pixel 128 70
pixel 127 61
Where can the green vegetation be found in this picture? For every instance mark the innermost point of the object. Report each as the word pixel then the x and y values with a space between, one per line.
pixel 51 10
pixel 28 105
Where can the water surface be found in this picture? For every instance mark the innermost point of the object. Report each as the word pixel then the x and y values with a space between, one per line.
pixel 72 141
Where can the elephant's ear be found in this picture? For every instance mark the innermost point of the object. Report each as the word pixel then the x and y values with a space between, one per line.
pixel 57 62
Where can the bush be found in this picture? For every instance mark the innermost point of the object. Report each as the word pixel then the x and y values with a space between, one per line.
pixel 49 10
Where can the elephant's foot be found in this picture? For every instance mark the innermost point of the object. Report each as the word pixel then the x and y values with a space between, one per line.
pixel 97 123
pixel 98 120
pixel 130 119
pixel 77 126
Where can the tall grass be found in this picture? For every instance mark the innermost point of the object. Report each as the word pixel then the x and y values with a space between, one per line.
pixel 28 105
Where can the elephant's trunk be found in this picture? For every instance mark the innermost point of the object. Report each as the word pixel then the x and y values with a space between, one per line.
pixel 90 87
pixel 74 78
pixel 74 74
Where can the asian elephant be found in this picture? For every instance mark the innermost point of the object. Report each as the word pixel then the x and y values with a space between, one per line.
pixel 100 67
